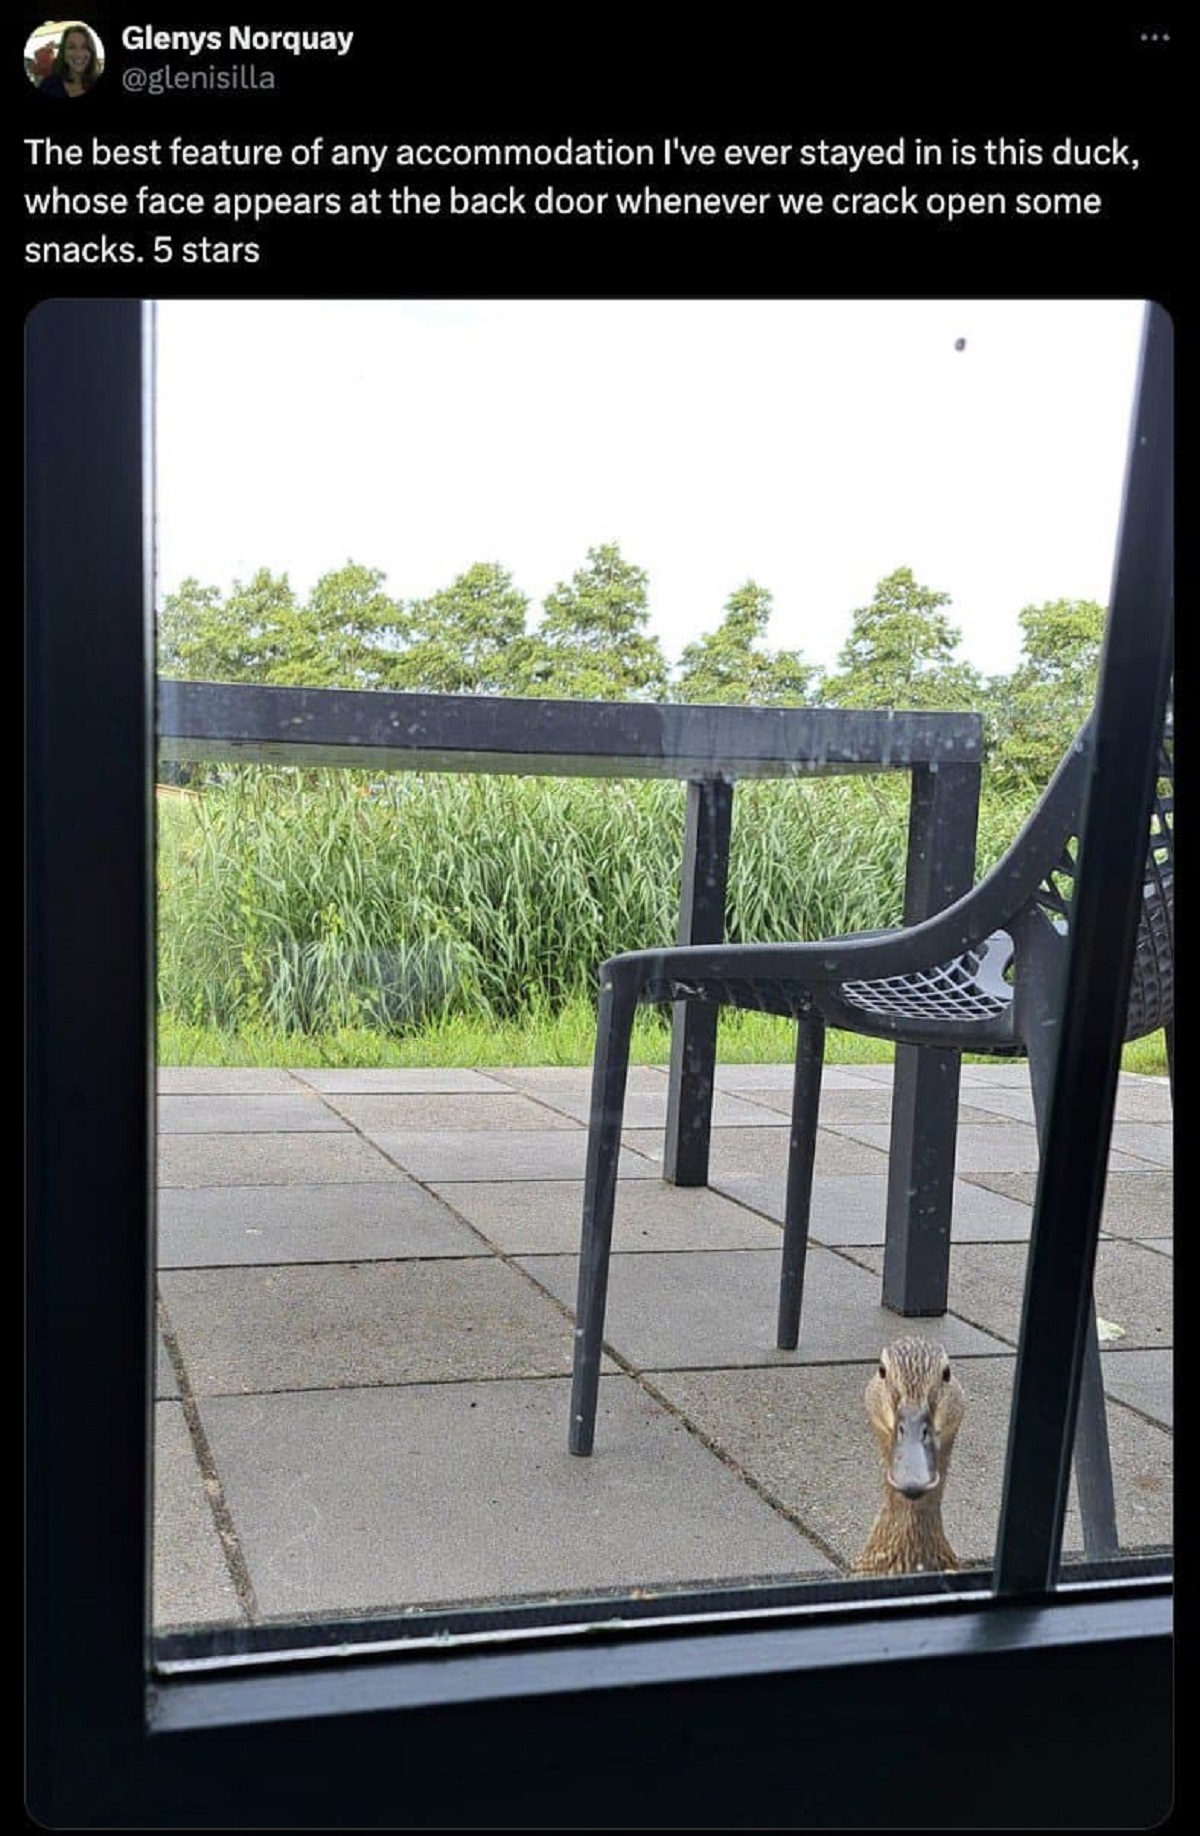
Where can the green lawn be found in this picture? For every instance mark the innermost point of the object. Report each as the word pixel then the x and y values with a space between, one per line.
pixel 563 1039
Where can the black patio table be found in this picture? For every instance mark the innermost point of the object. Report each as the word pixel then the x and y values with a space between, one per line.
pixel 710 748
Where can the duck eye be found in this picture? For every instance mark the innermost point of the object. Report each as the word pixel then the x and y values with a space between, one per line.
pixel 946 1374
pixel 883 1370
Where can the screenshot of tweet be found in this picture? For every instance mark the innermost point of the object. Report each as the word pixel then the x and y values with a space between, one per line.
pixel 569 507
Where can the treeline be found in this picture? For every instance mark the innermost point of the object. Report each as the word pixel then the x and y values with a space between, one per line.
pixel 592 641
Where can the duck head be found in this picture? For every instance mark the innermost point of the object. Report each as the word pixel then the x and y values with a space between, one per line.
pixel 915 1405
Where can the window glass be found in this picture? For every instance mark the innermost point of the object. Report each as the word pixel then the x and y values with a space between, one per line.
pixel 587 527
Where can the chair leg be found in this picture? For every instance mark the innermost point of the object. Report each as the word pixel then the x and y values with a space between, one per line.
pixel 806 1100
pixel 614 1025
pixel 1093 1458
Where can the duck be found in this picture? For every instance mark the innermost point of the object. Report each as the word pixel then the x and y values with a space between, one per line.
pixel 915 1406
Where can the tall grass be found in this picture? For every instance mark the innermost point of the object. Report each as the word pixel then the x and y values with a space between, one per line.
pixel 325 917
pixel 325 902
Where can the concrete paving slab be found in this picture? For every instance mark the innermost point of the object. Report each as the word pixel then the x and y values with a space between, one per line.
pixel 435 1155
pixel 1013 1072
pixel 207 1080
pixel 762 1151
pixel 648 1109
pixel 1144 1380
pixel 192 1585
pixel 1009 1102
pixel 744 1078
pixel 1152 1141
pixel 1138 1202
pixel 377 1500
pixel 342 1325
pixel 1006 1146
pixel 166 1384
pixel 207 1227
pixel 1139 1099
pixel 857 1102
pixel 543 1217
pixel 1133 1288
pixel 1143 1459
pixel 1144 1099
pixel 981 1216
pixel 1005 1086
pixel 548 1082
pixel 972 1114
pixel 501 1109
pixel 863 1105
pixel 718 1307
pixel 803 1433
pixel 753 1080
pixel 245 1113
pixel 1010 1147
pixel 269 1160
pixel 398 1080
pixel 852 1207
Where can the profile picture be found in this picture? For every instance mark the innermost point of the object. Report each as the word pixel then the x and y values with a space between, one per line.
pixel 63 58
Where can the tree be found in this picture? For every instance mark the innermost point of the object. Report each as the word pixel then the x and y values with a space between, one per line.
pixel 238 639
pixel 900 652
pixel 346 635
pixel 191 632
pixel 1034 712
pixel 592 642
pixel 1062 640
pixel 468 638
pixel 731 664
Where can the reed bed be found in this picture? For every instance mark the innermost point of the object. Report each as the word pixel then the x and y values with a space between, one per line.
pixel 304 903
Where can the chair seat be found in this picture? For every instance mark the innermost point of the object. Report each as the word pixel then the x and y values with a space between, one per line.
pixel 968 998
pixel 970 988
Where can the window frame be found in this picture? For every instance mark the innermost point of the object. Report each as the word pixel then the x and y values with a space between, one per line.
pixel 800 1714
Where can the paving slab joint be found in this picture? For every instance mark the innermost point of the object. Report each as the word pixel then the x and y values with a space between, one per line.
pixel 214 1490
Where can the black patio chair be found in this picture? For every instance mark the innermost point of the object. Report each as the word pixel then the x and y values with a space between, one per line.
pixel 986 975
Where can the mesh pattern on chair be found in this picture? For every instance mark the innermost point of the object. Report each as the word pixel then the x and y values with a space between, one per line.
pixel 951 991
pixel 1152 982
pixel 789 999
pixel 1058 888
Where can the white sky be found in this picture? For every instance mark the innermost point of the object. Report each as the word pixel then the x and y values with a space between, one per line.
pixel 812 446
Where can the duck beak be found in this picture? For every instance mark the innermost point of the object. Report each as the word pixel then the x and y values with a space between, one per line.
pixel 913 1470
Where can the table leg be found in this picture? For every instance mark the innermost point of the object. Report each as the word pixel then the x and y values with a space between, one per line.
pixel 694 1026
pixel 943 819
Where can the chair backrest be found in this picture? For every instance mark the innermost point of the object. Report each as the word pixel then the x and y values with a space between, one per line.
pixel 1152 981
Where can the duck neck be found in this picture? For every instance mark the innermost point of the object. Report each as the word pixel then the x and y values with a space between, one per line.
pixel 907 1536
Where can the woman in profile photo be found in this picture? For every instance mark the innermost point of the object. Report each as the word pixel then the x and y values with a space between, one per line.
pixel 76 64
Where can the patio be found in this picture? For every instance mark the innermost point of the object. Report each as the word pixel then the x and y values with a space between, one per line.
pixel 366 1284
